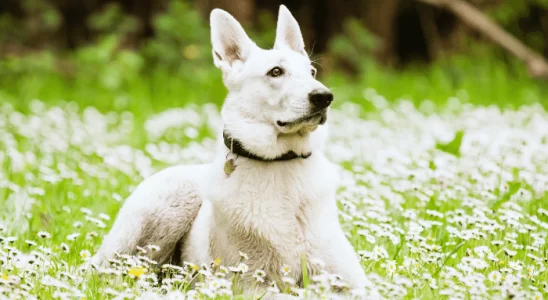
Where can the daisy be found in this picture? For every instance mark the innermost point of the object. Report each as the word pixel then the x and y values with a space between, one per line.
pixel 73 236
pixel 244 256
pixel 43 235
pixel 85 255
pixel 285 269
pixel 65 248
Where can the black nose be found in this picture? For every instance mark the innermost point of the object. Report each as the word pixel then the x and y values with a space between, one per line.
pixel 320 100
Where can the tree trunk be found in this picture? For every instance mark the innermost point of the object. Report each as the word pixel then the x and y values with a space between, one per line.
pixel 242 10
pixel 536 65
pixel 380 19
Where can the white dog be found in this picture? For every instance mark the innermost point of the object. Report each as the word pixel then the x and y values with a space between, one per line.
pixel 270 191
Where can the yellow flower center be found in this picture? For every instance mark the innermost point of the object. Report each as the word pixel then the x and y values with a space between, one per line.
pixel 137 271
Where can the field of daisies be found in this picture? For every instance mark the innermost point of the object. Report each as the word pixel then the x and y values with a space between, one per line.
pixel 448 203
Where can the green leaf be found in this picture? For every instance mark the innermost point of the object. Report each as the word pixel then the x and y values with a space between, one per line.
pixel 304 267
pixel 453 147
pixel 513 187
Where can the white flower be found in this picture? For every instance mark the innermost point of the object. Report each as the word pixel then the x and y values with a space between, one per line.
pixel 43 235
pixel 244 256
pixel 495 276
pixel 65 248
pixel 110 291
pixel 285 270
pixel 86 211
pixel 243 268
pixel 273 288
pixel 208 293
pixel 432 283
pixel 104 216
pixel 224 292
pixel 73 236
pixel 153 248
pixel 515 265
pixel 85 255
pixel 259 276
pixel 390 267
pixel 509 252
pixel 288 280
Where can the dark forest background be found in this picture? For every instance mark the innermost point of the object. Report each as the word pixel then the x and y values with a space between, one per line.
pixel 113 41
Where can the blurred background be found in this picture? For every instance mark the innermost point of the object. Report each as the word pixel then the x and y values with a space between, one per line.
pixel 153 54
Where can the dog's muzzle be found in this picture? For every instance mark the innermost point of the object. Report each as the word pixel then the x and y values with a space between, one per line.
pixel 317 117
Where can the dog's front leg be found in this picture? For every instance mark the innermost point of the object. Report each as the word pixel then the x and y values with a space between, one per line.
pixel 344 261
pixel 338 254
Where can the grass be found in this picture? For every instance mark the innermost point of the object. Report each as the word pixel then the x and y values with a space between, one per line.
pixel 442 195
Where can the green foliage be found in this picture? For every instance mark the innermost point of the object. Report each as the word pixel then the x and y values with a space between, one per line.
pixel 104 63
pixel 112 20
pixel 354 46
pixel 508 11
pixel 453 147
pixel 513 188
pixel 39 63
pixel 174 68
pixel 512 14
pixel 481 78
pixel 181 39
pixel 40 20
pixel 264 33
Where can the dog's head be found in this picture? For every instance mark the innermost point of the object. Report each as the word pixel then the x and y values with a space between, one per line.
pixel 272 92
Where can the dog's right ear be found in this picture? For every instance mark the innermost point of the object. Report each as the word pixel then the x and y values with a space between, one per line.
pixel 229 40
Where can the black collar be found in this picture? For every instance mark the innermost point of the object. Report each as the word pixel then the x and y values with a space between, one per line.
pixel 237 148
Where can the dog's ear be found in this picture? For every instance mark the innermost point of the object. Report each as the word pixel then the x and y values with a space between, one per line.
pixel 288 32
pixel 229 40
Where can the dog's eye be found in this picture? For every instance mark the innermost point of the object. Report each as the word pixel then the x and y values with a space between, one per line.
pixel 313 71
pixel 275 72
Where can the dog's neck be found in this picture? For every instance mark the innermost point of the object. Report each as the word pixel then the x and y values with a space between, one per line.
pixel 238 148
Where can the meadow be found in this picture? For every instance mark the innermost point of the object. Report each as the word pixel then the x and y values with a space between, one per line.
pixel 444 187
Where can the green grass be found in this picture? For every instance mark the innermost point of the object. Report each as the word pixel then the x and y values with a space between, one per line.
pixel 58 156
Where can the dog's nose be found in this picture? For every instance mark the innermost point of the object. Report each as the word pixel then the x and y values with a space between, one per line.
pixel 320 99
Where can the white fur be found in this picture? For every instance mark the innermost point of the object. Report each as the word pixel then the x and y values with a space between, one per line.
pixel 276 212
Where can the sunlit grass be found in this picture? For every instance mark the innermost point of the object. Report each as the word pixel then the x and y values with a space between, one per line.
pixel 432 216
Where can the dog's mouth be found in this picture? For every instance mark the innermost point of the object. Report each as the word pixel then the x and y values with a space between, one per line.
pixel 319 117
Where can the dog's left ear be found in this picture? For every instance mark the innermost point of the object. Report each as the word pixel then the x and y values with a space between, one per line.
pixel 288 32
